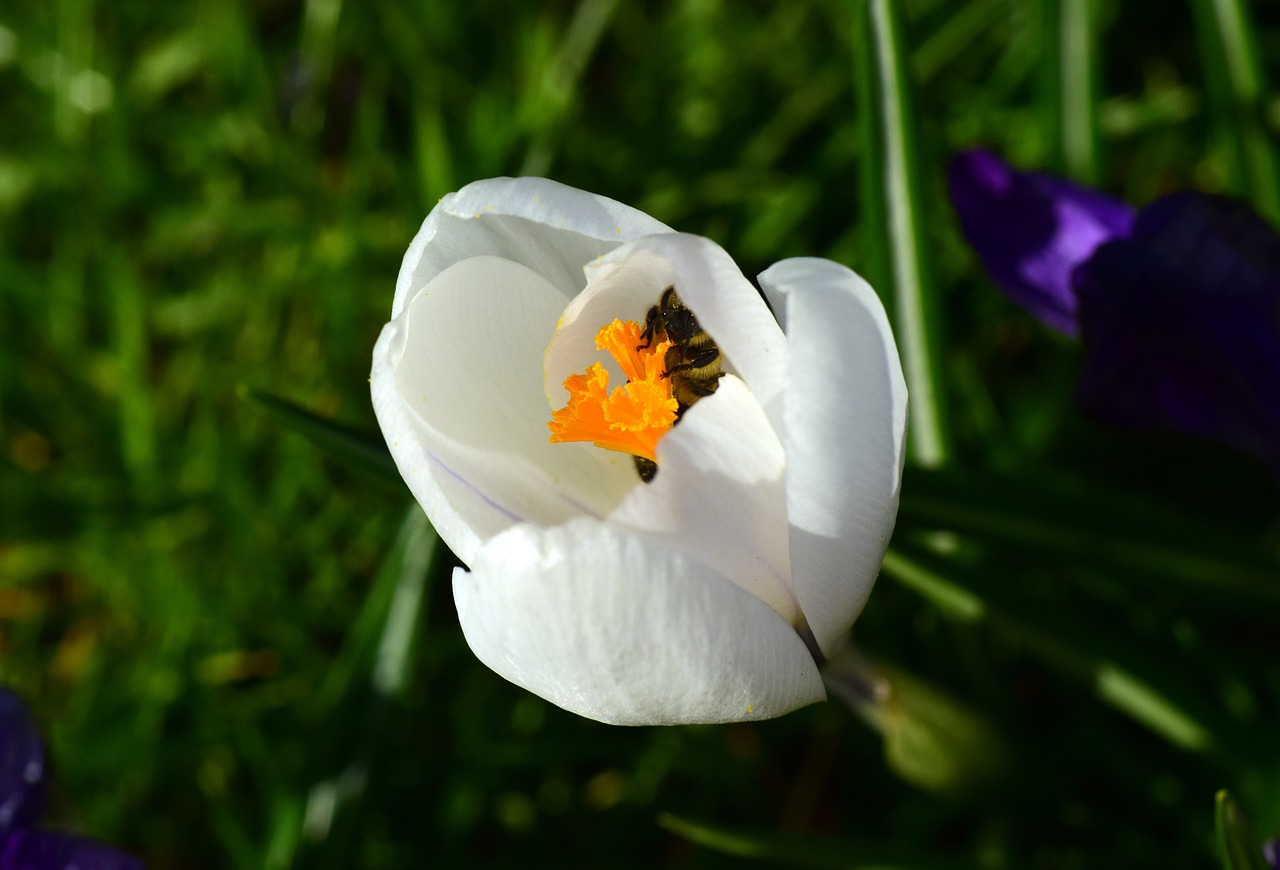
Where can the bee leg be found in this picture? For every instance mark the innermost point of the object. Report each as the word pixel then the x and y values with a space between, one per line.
pixel 706 358
pixel 651 321
pixel 673 361
pixel 646 468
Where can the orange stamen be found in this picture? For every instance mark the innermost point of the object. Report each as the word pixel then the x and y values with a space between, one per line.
pixel 633 417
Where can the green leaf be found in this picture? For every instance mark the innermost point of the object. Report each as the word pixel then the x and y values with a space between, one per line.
pixel 893 221
pixel 346 444
pixel 803 851
pixel 1238 848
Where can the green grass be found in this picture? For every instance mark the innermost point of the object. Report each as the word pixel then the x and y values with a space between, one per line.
pixel 243 649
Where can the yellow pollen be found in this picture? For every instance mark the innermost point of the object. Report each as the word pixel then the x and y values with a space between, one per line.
pixel 633 417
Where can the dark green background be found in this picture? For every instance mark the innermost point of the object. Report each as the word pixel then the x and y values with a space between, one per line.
pixel 205 197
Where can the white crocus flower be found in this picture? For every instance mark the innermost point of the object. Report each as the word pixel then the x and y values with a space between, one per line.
pixel 712 593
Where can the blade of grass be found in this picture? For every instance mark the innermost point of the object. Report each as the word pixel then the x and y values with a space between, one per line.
pixel 1122 534
pixel 433 158
pixel 1076 94
pixel 76 38
pixel 381 641
pixel 1237 845
pixel 893 218
pixel 1124 679
pixel 345 444
pixel 795 850
pixel 555 97
pixel 955 35
pixel 316 50
pixel 1238 93
pixel 420 547
pixel 394 595
pixel 137 406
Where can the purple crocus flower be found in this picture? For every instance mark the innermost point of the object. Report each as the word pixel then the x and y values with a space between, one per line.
pixel 1271 853
pixel 1180 325
pixel 1178 308
pixel 1032 230
pixel 22 785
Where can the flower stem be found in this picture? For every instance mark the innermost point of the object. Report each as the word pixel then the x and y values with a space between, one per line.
pixel 852 678
pixel 893 220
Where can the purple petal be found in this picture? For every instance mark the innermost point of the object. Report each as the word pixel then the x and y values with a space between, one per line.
pixel 47 850
pixel 21 764
pixel 1032 230
pixel 1271 853
pixel 1181 325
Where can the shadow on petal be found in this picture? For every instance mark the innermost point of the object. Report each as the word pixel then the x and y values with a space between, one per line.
pixel 621 629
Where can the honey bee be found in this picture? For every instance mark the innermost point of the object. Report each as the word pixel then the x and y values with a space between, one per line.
pixel 692 362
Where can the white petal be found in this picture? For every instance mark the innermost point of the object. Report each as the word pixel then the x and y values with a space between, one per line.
pixel 624 631
pixel 845 425
pixel 457 387
pixel 551 228
pixel 720 496
pixel 460 512
pixel 627 283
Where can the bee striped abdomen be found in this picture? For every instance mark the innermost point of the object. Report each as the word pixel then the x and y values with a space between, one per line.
pixel 692 363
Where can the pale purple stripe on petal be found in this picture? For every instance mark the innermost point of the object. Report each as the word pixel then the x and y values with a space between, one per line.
pixel 1032 230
